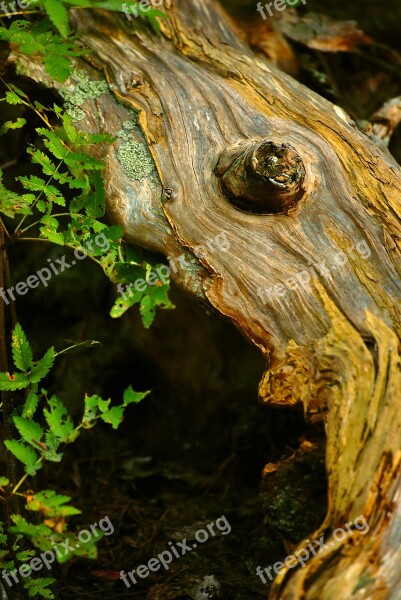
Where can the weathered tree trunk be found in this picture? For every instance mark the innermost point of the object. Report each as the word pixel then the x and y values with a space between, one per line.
pixel 310 207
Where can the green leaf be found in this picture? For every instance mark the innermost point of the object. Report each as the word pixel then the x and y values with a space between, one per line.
pixel 28 429
pixel 114 416
pixel 86 549
pixel 31 402
pixel 11 383
pixel 52 444
pixel 114 233
pixel 35 532
pixel 117 5
pixel 100 138
pixel 33 183
pixel 155 296
pixel 28 45
pixel 96 204
pixel 13 98
pixel 39 106
pixel 16 90
pixel 43 366
pixel 59 421
pixel 37 184
pixel 22 527
pixel 51 504
pixel 4 481
pixel 83 161
pixel 41 206
pixel 50 221
pixel 54 195
pixel 48 167
pixel 53 236
pixel 80 3
pixel 12 203
pixel 22 352
pixel 69 128
pixel 25 555
pixel 58 15
pixel 25 454
pixel 135 8
pixel 152 296
pixel 57 66
pixel 147 310
pixel 12 125
pixel 133 397
pixel 40 587
pixel 124 302
pixel 90 411
pixel 103 405
pixel 153 20
pixel 53 142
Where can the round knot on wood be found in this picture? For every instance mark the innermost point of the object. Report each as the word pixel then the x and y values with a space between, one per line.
pixel 264 178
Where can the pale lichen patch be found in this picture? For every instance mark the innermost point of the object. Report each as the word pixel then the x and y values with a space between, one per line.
pixel 76 95
pixel 133 155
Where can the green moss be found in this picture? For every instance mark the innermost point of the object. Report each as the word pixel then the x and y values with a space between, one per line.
pixel 76 95
pixel 295 497
pixel 286 508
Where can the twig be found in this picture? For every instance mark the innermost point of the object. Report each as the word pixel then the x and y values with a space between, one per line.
pixel 8 164
pixel 385 121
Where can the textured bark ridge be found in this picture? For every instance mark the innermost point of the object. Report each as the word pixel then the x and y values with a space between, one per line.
pixel 212 140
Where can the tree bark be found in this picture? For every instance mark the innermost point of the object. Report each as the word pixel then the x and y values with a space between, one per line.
pixel 310 207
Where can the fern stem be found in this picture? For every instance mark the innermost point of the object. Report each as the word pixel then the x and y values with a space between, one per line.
pixel 70 214
pixel 26 239
pixel 21 481
pixel 21 12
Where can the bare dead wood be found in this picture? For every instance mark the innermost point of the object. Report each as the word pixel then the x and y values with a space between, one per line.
pixel 332 343
pixel 385 121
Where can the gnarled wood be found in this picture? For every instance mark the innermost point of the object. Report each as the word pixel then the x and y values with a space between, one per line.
pixel 264 177
pixel 312 277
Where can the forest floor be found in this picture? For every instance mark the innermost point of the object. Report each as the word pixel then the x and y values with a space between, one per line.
pixel 189 456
